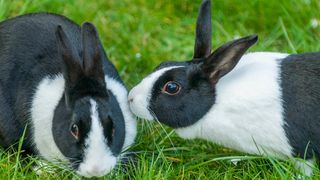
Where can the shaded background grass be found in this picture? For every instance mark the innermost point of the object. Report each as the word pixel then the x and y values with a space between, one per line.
pixel 138 35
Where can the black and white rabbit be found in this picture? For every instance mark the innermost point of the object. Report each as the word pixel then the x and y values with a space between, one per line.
pixel 259 103
pixel 57 82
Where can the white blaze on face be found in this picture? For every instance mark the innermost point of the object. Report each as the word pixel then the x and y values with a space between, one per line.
pixel 98 159
pixel 139 96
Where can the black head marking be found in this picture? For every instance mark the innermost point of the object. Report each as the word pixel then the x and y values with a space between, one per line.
pixel 183 109
pixel 72 148
pixel 112 121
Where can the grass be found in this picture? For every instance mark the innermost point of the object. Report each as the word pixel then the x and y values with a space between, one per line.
pixel 138 35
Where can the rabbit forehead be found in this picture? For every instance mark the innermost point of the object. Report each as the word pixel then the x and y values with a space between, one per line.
pixel 195 98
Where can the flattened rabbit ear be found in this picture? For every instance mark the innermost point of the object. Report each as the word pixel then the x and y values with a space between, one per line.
pixel 203 44
pixel 72 70
pixel 92 49
pixel 225 58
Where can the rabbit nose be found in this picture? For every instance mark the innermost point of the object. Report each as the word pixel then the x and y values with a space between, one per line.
pixel 130 100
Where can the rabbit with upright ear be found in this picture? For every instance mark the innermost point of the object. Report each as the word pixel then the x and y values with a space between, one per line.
pixel 57 82
pixel 259 103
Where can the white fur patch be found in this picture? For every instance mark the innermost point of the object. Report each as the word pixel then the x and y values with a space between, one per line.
pixel 139 96
pixel 121 94
pixel 248 113
pixel 45 100
pixel 98 159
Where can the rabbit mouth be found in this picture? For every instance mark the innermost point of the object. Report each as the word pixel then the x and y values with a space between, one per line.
pixel 139 104
pixel 141 111
pixel 97 169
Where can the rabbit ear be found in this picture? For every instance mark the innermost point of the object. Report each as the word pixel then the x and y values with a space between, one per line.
pixel 92 57
pixel 225 58
pixel 202 47
pixel 72 70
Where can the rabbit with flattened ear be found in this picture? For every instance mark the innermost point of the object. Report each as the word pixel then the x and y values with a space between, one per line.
pixel 57 81
pixel 259 103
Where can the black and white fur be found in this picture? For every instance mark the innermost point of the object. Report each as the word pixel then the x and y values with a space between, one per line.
pixel 55 74
pixel 259 103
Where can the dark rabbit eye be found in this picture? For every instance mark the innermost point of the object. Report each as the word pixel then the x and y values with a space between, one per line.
pixel 75 131
pixel 171 88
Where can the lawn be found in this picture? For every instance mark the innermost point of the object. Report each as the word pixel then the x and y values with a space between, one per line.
pixel 138 35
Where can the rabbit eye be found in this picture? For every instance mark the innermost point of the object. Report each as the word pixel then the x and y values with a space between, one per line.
pixel 171 88
pixel 75 131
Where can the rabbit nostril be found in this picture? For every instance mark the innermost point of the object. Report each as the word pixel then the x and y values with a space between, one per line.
pixel 130 100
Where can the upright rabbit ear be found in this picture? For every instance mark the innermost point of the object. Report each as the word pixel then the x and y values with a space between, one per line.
pixel 225 58
pixel 202 47
pixel 92 57
pixel 72 70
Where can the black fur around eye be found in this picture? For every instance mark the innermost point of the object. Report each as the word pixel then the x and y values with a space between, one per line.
pixel 109 130
pixel 75 131
pixel 171 88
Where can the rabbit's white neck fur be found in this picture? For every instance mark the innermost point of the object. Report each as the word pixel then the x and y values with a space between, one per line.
pixel 98 158
pixel 45 100
pixel 248 113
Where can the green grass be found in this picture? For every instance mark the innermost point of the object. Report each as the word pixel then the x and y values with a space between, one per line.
pixel 138 35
